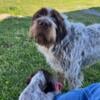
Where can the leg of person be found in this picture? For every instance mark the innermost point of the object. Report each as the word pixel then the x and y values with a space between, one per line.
pixel 91 92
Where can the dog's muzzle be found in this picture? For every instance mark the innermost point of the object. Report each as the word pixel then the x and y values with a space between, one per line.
pixel 44 23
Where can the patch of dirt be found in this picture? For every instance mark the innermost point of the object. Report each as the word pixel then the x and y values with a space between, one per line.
pixel 4 16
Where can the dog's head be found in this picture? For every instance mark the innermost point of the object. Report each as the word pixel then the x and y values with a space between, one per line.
pixel 49 85
pixel 47 27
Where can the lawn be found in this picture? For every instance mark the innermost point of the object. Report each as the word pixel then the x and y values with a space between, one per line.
pixel 18 55
pixel 24 7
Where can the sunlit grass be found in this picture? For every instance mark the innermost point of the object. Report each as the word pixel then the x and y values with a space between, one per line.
pixel 28 7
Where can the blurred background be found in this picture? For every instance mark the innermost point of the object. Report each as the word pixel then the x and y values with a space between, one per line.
pixel 28 7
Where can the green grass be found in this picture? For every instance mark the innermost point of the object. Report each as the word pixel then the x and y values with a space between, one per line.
pixel 19 56
pixel 28 7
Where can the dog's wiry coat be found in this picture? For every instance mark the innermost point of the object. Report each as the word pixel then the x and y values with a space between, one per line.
pixel 79 47
pixel 34 90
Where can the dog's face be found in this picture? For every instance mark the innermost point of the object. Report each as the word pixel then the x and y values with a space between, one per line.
pixel 47 27
pixel 49 86
pixel 51 81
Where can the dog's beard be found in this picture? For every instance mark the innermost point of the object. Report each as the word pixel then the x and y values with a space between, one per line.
pixel 44 37
pixel 41 39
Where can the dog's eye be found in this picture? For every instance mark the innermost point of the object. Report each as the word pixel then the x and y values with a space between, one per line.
pixel 39 16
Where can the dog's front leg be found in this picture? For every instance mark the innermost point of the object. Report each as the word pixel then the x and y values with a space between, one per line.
pixel 74 76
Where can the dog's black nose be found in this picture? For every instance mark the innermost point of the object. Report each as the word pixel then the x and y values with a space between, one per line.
pixel 44 23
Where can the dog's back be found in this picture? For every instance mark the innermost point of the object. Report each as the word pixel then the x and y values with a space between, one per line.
pixel 92 47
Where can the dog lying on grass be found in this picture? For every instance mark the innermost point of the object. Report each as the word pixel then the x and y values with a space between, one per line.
pixel 42 86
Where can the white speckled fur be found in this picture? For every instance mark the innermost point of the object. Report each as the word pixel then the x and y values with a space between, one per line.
pixel 34 92
pixel 67 46
pixel 79 48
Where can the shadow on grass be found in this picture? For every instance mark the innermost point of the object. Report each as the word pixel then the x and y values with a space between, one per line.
pixel 14 23
pixel 18 55
pixel 87 16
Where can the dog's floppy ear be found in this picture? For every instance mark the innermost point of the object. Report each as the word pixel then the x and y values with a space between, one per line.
pixel 58 18
pixel 39 13
pixel 61 29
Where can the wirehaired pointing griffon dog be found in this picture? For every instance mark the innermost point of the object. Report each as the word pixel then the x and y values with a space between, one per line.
pixel 67 46
pixel 42 86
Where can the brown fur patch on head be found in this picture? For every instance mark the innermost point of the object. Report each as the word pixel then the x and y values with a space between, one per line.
pixel 42 36
pixel 47 27
pixel 61 28
pixel 39 13
pixel 43 29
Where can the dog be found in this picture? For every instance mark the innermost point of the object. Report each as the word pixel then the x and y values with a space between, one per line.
pixel 40 87
pixel 67 46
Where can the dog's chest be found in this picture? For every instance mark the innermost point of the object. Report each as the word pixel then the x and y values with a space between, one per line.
pixel 51 59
